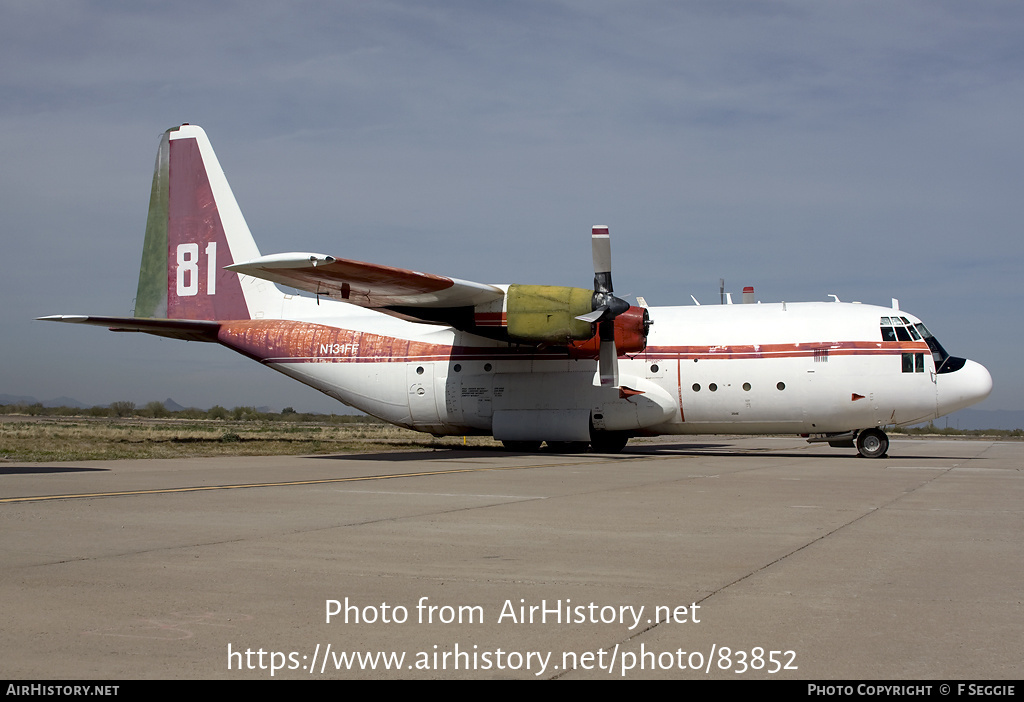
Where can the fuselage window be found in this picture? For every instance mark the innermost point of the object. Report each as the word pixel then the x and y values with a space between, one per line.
pixel 696 387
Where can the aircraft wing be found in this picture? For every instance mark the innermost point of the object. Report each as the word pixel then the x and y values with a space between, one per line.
pixel 187 329
pixel 367 284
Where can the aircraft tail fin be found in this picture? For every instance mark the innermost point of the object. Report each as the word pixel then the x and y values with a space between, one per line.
pixel 195 229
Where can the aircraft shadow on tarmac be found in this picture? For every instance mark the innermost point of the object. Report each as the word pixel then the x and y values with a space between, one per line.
pixel 728 450
pixel 30 470
pixel 725 450
pixel 449 453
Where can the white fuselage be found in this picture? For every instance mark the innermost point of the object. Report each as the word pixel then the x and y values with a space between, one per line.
pixel 808 368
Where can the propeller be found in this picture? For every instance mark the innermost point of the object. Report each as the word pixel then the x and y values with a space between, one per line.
pixel 606 307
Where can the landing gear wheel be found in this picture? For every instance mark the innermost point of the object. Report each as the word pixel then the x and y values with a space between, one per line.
pixel 608 441
pixel 872 443
pixel 521 446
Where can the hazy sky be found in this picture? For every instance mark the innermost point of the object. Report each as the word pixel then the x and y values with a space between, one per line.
pixel 867 149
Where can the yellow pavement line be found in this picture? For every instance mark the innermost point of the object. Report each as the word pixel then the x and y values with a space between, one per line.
pixel 199 488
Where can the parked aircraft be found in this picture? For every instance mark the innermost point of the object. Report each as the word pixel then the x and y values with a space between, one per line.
pixel 527 363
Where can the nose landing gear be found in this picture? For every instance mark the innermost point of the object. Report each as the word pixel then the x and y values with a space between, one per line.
pixel 872 443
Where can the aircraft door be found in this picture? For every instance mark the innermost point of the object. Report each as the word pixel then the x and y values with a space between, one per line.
pixel 422 402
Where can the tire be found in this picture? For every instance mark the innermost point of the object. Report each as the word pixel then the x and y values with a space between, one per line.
pixel 872 443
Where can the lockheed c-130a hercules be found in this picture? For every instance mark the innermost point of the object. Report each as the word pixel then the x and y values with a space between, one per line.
pixel 527 363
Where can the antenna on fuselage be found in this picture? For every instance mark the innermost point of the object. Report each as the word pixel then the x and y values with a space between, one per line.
pixel 721 291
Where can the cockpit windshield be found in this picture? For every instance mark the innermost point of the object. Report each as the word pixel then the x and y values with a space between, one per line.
pixel 902 329
pixel 944 363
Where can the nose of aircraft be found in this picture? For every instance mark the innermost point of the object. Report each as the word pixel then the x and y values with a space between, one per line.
pixel 962 388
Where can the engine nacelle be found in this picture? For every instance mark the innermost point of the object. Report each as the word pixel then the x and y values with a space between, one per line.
pixel 547 313
pixel 630 335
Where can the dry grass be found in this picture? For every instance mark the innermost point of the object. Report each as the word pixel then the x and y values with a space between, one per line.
pixel 78 439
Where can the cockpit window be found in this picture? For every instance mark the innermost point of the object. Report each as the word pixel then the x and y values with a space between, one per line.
pixel 938 353
pixel 944 363
pixel 898 329
pixel 887 331
pixel 902 329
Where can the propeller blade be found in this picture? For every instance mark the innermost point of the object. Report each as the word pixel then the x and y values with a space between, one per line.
pixel 592 316
pixel 601 245
pixel 608 364
pixel 606 306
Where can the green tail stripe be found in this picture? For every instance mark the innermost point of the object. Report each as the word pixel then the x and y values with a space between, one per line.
pixel 151 297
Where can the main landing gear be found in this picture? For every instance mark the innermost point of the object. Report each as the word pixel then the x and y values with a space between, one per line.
pixel 872 443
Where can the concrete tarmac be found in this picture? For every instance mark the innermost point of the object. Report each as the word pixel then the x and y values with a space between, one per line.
pixel 695 558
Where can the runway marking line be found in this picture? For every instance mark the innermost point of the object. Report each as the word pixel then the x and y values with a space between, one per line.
pixel 291 483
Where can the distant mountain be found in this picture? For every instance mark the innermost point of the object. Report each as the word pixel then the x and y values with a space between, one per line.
pixel 29 400
pixel 65 402
pixel 17 400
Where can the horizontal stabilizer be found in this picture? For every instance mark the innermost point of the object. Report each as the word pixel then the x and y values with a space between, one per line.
pixel 366 284
pixel 186 329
